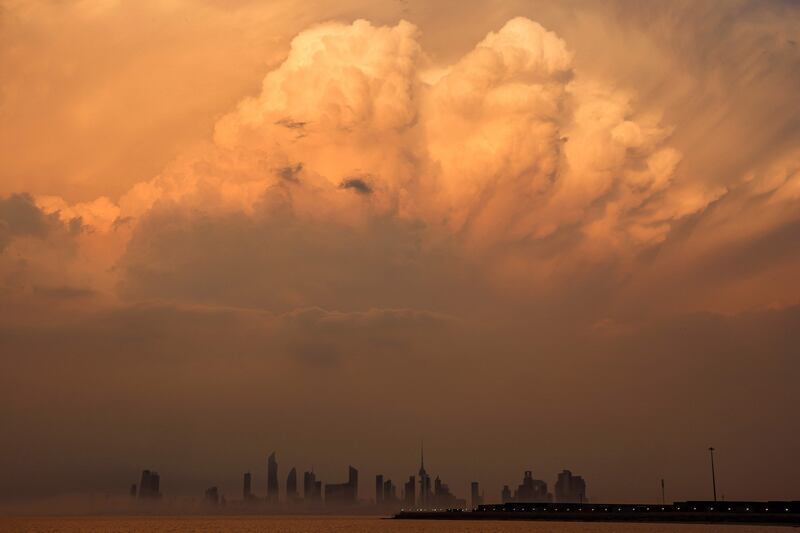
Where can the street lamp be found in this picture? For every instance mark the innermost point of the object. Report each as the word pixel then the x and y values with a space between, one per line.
pixel 713 474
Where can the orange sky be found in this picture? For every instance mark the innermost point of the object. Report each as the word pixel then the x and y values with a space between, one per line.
pixel 233 227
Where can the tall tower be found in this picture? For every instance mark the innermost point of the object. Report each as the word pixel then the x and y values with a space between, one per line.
pixel 352 483
pixel 291 486
pixel 247 492
pixel 475 494
pixel 424 479
pixel 272 479
pixel 379 489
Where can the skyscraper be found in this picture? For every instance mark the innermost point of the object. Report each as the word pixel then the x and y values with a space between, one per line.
pixel 443 498
pixel 149 484
pixel 570 488
pixel 389 492
pixel 247 492
pixel 475 495
pixel 272 479
pixel 532 490
pixel 312 489
pixel 343 493
pixel 379 489
pixel 424 480
pixel 410 493
pixel 291 486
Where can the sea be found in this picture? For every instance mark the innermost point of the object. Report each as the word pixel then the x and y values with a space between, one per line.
pixel 307 524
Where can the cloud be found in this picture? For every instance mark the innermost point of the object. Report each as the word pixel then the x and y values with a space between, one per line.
pixel 277 259
pixel 357 184
pixel 418 223
pixel 516 159
pixel 19 216
pixel 290 172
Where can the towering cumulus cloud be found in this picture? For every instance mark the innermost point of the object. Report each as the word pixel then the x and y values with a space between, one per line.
pixel 497 155
pixel 553 229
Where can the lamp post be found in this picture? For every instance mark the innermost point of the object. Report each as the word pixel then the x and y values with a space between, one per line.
pixel 713 474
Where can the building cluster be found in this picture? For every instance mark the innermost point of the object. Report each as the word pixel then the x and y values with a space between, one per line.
pixel 569 489
pixel 419 492
pixel 429 496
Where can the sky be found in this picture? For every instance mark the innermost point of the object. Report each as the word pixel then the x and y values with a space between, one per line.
pixel 537 235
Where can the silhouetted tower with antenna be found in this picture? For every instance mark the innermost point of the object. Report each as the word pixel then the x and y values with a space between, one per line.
pixel 424 479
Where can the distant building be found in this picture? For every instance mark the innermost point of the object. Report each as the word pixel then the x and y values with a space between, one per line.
pixel 133 490
pixel 389 492
pixel 291 486
pixel 247 491
pixel 505 495
pixel 570 489
pixel 443 498
pixel 343 493
pixel 475 495
pixel 424 499
pixel 532 490
pixel 379 489
pixel 272 479
pixel 149 485
pixel 312 489
pixel 410 493
pixel 211 496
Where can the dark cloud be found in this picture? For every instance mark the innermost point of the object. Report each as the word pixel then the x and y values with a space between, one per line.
pixel 291 124
pixel 359 185
pixel 75 225
pixel 290 172
pixel 19 215
pixel 275 260
pixel 120 222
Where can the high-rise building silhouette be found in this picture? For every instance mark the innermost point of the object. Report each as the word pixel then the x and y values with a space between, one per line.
pixel 211 496
pixel 312 489
pixel 379 489
pixel 475 495
pixel 247 491
pixel 570 488
pixel 505 494
pixel 133 490
pixel 308 483
pixel 424 499
pixel 410 493
pixel 343 493
pixel 291 486
pixel 443 498
pixel 272 478
pixel 532 490
pixel 389 492
pixel 149 485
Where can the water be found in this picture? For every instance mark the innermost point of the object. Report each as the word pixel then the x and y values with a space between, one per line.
pixel 249 524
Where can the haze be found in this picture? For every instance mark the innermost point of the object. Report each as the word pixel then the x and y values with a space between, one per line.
pixel 538 235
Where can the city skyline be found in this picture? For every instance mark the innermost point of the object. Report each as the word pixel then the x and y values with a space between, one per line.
pixel 418 492
pixel 557 240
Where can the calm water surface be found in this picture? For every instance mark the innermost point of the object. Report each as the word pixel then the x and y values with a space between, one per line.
pixel 249 524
